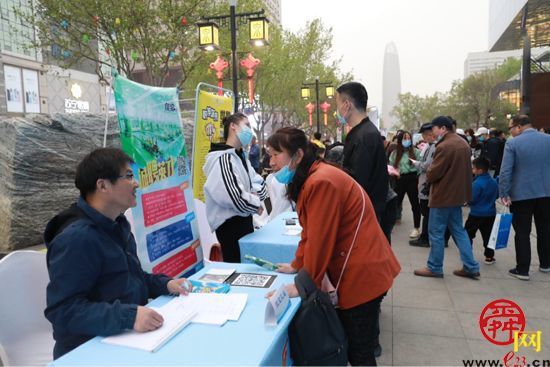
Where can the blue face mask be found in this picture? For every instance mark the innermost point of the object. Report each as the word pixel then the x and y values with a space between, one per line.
pixel 285 175
pixel 469 138
pixel 481 138
pixel 245 135
pixel 406 143
pixel 341 118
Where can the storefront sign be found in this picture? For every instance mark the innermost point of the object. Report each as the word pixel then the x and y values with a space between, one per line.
pixel 73 106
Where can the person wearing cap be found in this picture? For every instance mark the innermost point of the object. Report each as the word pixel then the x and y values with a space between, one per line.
pixel 423 188
pixel 450 179
pixel 524 185
pixel 482 134
pixel 321 148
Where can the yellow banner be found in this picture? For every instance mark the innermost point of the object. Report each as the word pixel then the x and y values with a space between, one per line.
pixel 211 110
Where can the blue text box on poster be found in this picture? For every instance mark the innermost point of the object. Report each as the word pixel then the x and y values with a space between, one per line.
pixel 168 238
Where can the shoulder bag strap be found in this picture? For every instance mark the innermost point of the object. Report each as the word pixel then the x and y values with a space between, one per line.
pixel 354 236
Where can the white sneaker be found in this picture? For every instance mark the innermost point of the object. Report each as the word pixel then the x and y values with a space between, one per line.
pixel 415 233
pixel 544 270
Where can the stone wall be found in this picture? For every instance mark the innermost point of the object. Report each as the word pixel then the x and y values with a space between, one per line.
pixel 38 159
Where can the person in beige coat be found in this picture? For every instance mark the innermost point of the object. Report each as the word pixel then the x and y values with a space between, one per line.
pixel 450 179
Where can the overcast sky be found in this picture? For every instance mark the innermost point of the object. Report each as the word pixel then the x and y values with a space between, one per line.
pixel 433 37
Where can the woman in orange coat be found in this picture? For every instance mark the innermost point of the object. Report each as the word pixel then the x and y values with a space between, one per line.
pixel 332 210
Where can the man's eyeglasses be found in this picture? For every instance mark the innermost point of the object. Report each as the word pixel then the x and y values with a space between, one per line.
pixel 128 176
pixel 511 127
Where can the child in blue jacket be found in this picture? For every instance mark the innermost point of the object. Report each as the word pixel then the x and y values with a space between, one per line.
pixel 482 206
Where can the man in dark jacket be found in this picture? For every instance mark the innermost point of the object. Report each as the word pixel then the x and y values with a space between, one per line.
pixel 450 179
pixel 493 150
pixel 97 285
pixel 364 153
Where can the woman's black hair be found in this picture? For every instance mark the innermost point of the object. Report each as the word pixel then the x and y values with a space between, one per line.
pixel 228 120
pixel 473 143
pixel 291 139
pixel 399 150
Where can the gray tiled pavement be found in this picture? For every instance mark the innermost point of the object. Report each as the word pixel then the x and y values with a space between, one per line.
pixel 427 321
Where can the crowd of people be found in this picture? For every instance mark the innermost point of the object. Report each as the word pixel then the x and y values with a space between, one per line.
pixel 348 197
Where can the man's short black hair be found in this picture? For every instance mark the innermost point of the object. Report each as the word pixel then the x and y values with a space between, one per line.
pixel 105 163
pixel 317 135
pixel 441 121
pixel 482 163
pixel 356 93
pixel 521 120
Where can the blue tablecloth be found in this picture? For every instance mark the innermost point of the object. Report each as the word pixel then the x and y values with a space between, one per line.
pixel 269 242
pixel 245 342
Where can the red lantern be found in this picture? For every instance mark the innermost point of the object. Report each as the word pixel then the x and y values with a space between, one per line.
pixel 310 107
pixel 219 66
pixel 250 63
pixel 325 107
pixel 183 21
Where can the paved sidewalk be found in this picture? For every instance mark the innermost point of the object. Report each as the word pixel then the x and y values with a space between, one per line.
pixel 428 321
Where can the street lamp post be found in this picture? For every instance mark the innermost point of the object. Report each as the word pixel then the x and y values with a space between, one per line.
pixel 233 30
pixel 329 90
pixel 259 38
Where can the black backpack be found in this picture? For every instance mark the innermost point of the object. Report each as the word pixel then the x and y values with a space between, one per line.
pixel 316 335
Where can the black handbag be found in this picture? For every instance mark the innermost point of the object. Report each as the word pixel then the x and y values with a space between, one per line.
pixel 316 335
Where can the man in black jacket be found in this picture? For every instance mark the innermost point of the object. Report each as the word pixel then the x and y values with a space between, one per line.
pixel 364 153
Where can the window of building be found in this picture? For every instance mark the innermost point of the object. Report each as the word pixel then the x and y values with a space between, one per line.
pixel 511 96
pixel 22 93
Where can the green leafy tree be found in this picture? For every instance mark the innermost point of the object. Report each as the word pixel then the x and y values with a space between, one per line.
pixel 153 36
pixel 471 101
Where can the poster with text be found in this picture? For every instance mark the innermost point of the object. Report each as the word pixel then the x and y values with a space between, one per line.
pixel 151 133
pixel 210 110
pixel 30 89
pixel 14 94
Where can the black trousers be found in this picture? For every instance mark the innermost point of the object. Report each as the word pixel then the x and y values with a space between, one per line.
pixel 524 211
pixel 388 217
pixel 361 326
pixel 229 234
pixel 484 225
pixel 408 184
pixel 425 211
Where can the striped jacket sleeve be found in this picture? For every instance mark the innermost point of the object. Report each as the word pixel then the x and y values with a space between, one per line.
pixel 231 190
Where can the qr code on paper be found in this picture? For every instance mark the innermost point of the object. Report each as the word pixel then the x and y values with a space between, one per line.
pixel 251 280
pixel 182 166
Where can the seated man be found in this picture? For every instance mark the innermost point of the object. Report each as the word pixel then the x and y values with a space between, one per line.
pixel 97 285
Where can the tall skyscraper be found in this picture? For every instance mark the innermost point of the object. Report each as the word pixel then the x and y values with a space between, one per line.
pixel 391 86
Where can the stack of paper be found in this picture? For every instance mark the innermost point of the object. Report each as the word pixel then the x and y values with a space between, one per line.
pixel 292 230
pixel 176 316
pixel 215 308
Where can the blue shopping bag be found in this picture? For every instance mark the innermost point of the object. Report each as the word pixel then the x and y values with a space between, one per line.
pixel 500 231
